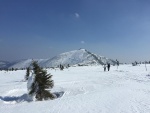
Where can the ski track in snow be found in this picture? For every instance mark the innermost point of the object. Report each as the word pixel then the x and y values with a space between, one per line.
pixel 82 90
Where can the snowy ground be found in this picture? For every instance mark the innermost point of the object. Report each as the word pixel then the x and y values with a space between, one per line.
pixel 82 90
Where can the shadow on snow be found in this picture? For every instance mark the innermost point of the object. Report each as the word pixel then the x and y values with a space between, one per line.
pixel 24 97
pixel 16 99
pixel 58 94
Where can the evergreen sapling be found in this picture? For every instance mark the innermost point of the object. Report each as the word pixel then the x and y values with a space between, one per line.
pixel 41 83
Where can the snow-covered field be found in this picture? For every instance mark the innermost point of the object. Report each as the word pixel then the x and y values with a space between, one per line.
pixel 82 90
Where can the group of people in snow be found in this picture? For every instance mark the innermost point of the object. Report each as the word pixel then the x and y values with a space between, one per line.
pixel 108 66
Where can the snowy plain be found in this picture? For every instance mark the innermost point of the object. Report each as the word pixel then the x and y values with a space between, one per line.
pixel 86 89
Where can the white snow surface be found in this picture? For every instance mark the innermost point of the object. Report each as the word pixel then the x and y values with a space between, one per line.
pixel 86 89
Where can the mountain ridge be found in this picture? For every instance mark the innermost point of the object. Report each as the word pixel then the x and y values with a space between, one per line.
pixel 74 57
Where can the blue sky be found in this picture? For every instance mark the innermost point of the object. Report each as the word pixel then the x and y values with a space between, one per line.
pixel 117 29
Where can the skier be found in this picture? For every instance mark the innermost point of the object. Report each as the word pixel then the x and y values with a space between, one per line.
pixel 108 66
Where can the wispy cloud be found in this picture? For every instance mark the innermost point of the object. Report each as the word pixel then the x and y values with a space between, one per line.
pixel 77 15
pixel 82 42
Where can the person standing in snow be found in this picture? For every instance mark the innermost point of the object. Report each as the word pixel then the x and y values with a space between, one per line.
pixel 108 66
pixel 104 67
pixel 117 63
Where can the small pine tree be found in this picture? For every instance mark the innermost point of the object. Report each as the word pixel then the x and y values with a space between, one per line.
pixel 42 82
pixel 27 73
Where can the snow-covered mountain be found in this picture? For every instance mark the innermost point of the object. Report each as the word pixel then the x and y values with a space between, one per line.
pixel 75 57
pixel 81 56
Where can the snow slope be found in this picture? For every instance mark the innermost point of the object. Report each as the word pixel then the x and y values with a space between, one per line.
pixel 86 89
pixel 81 56
pixel 24 63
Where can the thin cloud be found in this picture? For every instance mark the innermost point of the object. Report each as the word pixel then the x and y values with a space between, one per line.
pixel 82 42
pixel 77 15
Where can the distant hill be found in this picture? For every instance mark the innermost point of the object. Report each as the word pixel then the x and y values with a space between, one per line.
pixel 75 57
pixel 4 64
